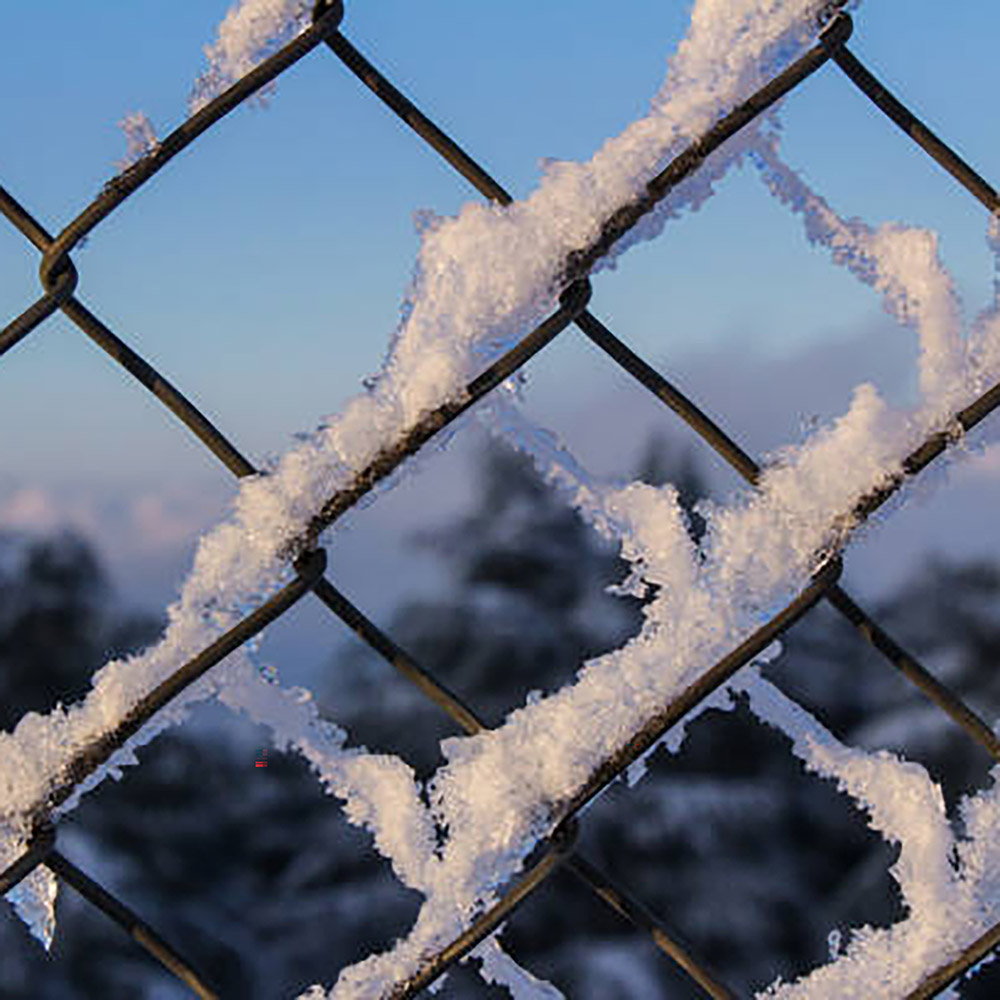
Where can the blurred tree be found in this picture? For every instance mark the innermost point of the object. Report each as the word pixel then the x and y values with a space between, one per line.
pixel 255 876
pixel 252 874
pixel 528 605
pixel 752 859
pixel 54 623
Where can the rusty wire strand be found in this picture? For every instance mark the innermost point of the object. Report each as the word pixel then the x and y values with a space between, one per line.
pixel 130 922
pixel 37 313
pixel 951 972
pixel 622 901
pixel 140 369
pixel 399 659
pixel 908 122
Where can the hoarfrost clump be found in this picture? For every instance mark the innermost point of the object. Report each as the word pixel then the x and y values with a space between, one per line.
pixel 482 279
pixel 251 31
pixel 34 900
pixel 949 886
pixel 498 968
pixel 899 261
pixel 140 138
pixel 486 275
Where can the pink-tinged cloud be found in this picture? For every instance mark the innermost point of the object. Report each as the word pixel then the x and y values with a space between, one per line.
pixel 35 510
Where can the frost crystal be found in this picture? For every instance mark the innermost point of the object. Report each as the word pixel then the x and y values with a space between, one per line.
pixel 35 902
pixel 140 138
pixel 250 32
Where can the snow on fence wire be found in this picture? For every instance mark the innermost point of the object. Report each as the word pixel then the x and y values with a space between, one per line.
pixel 951 888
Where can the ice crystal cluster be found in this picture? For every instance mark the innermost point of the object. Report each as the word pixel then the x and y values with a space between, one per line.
pixel 140 138
pixel 482 279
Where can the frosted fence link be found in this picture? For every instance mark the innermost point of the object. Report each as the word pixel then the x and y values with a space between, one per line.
pixel 471 170
pixel 598 882
pixel 578 264
pixel 873 633
pixel 556 850
pixel 724 445
pixel 652 380
pixel 709 682
pixel 91 757
pixel 310 568
pixel 571 303
pixel 59 280
pixel 662 184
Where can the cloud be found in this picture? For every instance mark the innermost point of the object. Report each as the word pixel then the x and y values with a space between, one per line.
pixel 145 537
pixel 139 521
pixel 30 509
pixel 35 510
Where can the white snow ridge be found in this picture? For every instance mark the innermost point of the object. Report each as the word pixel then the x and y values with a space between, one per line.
pixel 483 279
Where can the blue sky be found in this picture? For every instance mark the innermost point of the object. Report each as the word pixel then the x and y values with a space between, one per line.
pixel 263 270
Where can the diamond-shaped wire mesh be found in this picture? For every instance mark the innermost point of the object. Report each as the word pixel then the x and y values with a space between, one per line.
pixel 60 281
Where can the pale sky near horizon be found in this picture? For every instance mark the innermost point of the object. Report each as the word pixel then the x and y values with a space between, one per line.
pixel 264 270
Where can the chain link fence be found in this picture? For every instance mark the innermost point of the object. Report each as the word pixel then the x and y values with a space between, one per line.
pixel 60 280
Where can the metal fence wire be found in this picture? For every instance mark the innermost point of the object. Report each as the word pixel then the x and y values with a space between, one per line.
pixel 60 279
